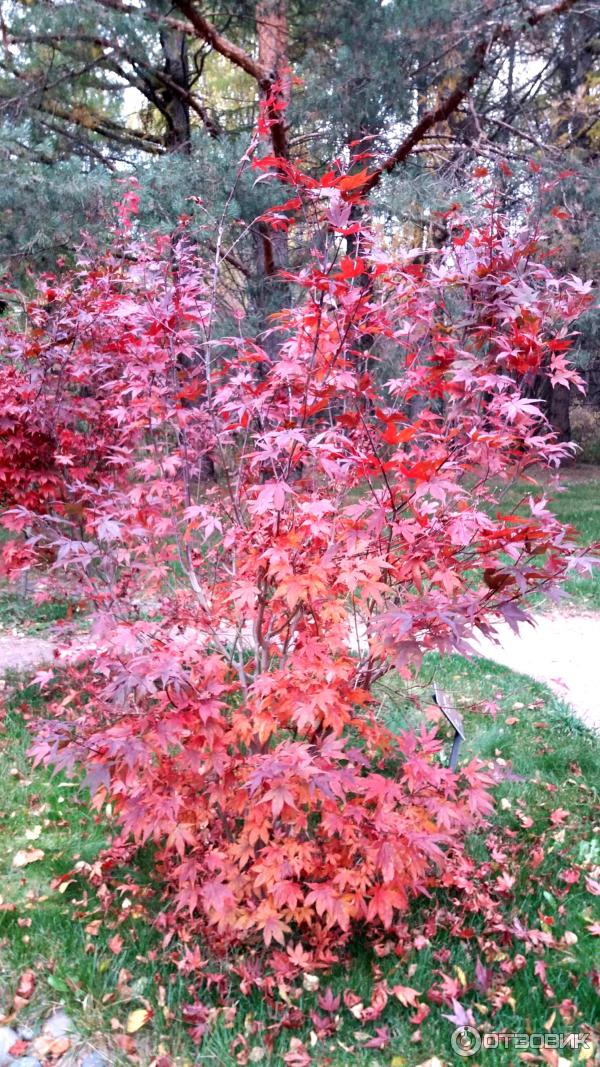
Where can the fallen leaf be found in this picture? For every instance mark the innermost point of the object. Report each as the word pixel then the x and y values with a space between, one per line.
pixel 19 1048
pixel 24 990
pixel 408 997
pixel 27 984
pixel 381 1039
pixel 126 1043
pixel 116 944
pixel 26 856
pixel 51 1048
pixel 136 1019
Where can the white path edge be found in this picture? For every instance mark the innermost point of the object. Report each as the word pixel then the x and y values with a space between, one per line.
pixel 560 650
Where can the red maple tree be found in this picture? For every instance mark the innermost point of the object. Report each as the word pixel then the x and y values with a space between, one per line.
pixel 227 710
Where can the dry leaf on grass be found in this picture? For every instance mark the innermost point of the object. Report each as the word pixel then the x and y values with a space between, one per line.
pixel 51 1048
pixel 25 856
pixel 136 1019
pixel 24 990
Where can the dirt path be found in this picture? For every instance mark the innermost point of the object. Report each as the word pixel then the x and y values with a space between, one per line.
pixel 562 651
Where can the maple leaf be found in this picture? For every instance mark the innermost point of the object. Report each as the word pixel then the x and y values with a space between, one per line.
pixel 382 904
pixel 328 1001
pixel 380 1039
pixel 459 1015
pixel 379 999
pixel 271 497
pixel 408 997
pixel 26 985
pixel 350 182
pixel 19 1048
pixel 115 944
pixel 327 903
pixel 298 1055
pixel 217 896
pixel 592 885
pixel 137 1019
pixel 274 929
pixel 483 976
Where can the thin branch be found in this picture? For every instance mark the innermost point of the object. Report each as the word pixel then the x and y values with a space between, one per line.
pixel 149 16
pixel 101 125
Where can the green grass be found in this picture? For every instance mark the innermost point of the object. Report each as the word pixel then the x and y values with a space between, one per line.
pixel 20 612
pixel 552 765
pixel 579 505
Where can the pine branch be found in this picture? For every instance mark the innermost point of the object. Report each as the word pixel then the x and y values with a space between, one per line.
pixel 155 75
pixel 100 124
pixel 449 105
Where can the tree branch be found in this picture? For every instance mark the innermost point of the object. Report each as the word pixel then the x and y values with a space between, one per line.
pixel 101 125
pixel 266 79
pixel 224 46
pixel 64 38
pixel 149 16
pixel 448 106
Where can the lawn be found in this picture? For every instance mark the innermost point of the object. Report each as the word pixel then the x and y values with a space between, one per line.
pixel 534 974
pixel 579 504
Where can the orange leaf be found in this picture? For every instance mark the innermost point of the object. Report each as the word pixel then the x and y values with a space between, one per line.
pixel 353 181
pixel 136 1019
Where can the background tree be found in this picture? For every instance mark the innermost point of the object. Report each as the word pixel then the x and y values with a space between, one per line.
pixel 94 90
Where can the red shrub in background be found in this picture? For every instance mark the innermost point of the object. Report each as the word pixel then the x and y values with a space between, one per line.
pixel 227 713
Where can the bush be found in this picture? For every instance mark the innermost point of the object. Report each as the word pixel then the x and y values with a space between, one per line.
pixel 585 425
pixel 242 620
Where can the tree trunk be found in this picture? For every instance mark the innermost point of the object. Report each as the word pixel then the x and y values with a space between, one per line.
pixel 559 412
pixel 270 294
pixel 173 104
pixel 556 404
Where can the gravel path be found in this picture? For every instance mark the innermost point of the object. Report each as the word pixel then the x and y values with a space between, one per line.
pixel 562 651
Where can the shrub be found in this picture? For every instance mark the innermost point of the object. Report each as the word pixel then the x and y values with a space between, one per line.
pixel 241 622
pixel 585 422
